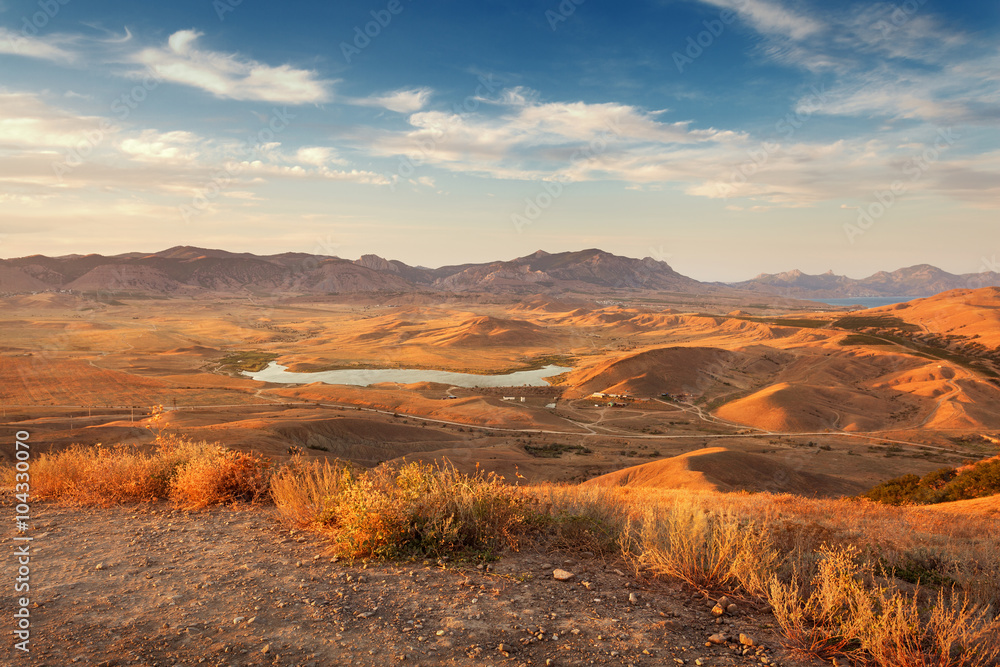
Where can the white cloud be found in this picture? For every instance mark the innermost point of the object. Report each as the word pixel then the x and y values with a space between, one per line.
pixel 47 48
pixel 400 101
pixel 232 76
pixel 153 146
pixel 529 139
pixel 318 156
pixel 27 121
pixel 771 18
pixel 258 168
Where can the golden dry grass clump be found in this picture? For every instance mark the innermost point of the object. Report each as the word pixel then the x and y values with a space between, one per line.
pixel 192 474
pixel 412 508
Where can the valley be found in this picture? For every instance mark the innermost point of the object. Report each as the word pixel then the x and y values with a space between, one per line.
pixel 799 391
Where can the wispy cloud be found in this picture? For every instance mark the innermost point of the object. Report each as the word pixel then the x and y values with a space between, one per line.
pixel 42 48
pixel 529 139
pixel 771 17
pixel 28 122
pixel 231 75
pixel 400 101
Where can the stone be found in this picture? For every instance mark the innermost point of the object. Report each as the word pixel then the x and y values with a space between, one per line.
pixel 633 598
pixel 747 640
pixel 562 575
pixel 718 638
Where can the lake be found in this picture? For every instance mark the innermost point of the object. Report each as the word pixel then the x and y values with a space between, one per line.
pixel 868 301
pixel 362 377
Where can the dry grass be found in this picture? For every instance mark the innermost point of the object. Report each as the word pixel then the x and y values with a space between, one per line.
pixel 192 474
pixel 847 610
pixel 215 475
pixel 886 586
pixel 398 510
pixel 838 574
pixel 704 547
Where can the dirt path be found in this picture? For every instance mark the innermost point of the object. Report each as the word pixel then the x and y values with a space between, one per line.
pixel 150 586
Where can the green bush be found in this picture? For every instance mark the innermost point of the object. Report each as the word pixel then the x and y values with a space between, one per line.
pixel 940 486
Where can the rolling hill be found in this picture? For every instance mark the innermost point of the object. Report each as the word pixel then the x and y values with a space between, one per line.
pixel 721 469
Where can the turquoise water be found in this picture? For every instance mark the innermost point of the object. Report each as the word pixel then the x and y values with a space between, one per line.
pixel 362 377
pixel 868 301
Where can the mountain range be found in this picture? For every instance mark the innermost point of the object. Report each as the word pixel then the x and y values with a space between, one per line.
pixel 914 281
pixel 186 269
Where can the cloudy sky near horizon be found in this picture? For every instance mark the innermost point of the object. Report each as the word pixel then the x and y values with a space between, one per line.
pixel 726 137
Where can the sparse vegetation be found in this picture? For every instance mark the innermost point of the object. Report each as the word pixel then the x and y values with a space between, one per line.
pixel 555 450
pixel 838 575
pixel 799 323
pixel 856 322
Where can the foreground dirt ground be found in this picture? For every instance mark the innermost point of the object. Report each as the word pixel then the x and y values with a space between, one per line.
pixel 147 585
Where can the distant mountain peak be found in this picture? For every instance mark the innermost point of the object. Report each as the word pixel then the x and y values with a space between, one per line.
pixel 911 281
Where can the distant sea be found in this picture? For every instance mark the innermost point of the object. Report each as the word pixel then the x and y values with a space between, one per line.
pixel 868 301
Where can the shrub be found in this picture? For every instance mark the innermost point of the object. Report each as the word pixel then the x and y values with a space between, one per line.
pixel 216 475
pixel 194 475
pixel 410 509
pixel 706 548
pixel 845 611
pixel 942 485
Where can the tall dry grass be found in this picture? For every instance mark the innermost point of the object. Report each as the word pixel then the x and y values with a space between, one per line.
pixel 841 576
pixel 413 508
pixel 704 547
pixel 848 610
pixel 192 474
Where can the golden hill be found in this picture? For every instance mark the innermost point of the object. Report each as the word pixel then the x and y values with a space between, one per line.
pixel 671 370
pixel 988 506
pixel 972 313
pixel 721 469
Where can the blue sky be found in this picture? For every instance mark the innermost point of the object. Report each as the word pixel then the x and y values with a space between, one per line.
pixel 726 137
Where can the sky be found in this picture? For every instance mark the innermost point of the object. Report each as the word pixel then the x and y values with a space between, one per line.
pixel 727 138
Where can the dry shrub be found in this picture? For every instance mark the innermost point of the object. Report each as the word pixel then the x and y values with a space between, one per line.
pixel 847 611
pixel 300 489
pixel 100 476
pixel 410 509
pixel 192 474
pixel 833 571
pixel 706 548
pixel 582 518
pixel 216 475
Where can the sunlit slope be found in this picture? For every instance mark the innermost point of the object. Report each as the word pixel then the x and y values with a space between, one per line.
pixel 720 469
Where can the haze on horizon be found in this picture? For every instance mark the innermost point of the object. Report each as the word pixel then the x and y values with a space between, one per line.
pixel 725 137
